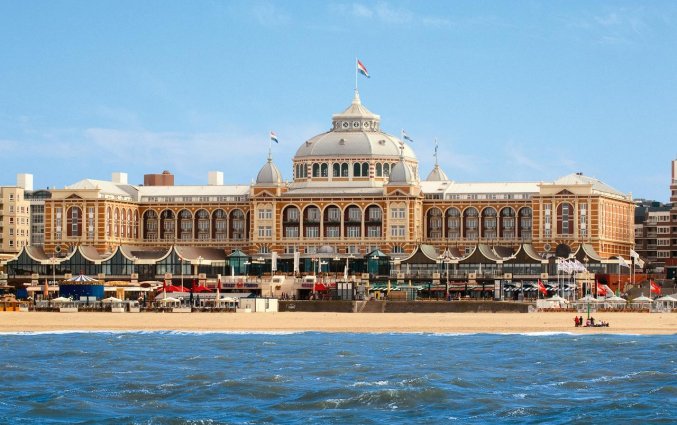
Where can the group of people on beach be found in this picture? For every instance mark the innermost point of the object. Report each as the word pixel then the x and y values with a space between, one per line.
pixel 578 322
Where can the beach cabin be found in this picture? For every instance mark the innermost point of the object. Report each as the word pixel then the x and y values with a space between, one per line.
pixel 258 305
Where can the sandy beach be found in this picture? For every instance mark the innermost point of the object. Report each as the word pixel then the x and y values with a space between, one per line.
pixel 626 323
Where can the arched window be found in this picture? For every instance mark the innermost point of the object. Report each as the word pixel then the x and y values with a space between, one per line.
pixel 379 170
pixel 434 223
pixel 365 169
pixel 324 170
pixel 316 170
pixel 525 223
pixel 344 170
pixel 357 169
pixel 489 223
pixel 470 223
pixel 332 222
pixel 74 225
pixel 219 225
pixel 336 169
pixel 386 170
pixel 290 222
pixel 453 218
pixel 150 225
pixel 352 222
pixel 507 223
pixel 565 219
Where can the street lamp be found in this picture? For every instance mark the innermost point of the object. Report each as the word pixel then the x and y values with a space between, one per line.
pixel 53 261
pixel 446 258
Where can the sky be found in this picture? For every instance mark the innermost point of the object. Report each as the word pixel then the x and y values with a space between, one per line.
pixel 512 91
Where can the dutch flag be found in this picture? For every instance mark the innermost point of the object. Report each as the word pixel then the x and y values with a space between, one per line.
pixel 273 137
pixel 362 69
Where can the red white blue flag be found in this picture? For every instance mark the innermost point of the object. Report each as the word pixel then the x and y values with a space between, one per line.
pixel 273 137
pixel 362 69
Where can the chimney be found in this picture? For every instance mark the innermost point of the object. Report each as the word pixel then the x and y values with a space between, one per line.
pixel 119 178
pixel 216 178
pixel 164 179
pixel 25 181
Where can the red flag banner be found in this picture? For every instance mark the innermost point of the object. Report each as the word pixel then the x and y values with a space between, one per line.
pixel 655 289
pixel 541 288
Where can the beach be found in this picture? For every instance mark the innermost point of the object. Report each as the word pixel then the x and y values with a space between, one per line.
pixel 621 323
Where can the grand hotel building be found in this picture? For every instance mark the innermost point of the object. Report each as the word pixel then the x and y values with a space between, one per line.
pixel 355 189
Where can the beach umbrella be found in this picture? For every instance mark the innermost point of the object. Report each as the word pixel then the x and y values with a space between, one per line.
pixel 111 300
pixel 642 299
pixel 169 300
pixel 61 300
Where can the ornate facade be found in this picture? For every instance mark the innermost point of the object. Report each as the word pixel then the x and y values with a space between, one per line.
pixel 355 189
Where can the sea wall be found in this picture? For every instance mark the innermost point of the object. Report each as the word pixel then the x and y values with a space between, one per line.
pixel 404 306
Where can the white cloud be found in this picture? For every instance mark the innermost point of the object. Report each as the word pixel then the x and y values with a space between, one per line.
pixel 386 13
pixel 269 15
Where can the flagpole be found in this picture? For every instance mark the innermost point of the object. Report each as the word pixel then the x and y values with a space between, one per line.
pixel 355 73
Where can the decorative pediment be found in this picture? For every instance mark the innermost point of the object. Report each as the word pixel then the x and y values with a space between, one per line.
pixel 564 192
pixel 74 196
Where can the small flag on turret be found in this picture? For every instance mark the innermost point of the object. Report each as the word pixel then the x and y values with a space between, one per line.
pixel 405 136
pixel 273 137
pixel 362 69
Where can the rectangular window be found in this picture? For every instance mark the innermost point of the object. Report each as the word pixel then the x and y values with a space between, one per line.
pixel 333 231
pixel 265 214
pixel 374 231
pixel 265 231
pixel 353 231
pixel 291 232
pixel 312 232
pixel 397 231
pixel 397 213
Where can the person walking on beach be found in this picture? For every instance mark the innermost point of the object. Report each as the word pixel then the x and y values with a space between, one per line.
pixel 576 321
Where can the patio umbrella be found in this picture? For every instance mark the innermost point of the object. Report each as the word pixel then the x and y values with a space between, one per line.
pixel 111 300
pixel 81 278
pixel 61 300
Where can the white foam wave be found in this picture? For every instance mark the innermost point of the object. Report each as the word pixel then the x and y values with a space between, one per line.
pixel 146 332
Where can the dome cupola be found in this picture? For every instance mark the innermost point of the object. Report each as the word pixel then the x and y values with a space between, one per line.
pixel 269 174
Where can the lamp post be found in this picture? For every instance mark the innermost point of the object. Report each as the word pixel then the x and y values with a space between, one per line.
pixel 446 258
pixel 181 262
pixel 53 261
pixel 199 263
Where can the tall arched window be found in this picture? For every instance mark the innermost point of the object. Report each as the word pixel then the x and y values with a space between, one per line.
pixel 344 170
pixel 565 219
pixel 470 223
pixel 489 223
pixel 74 225
pixel 336 170
pixel 386 170
pixel 434 223
pixel 365 169
pixel 316 170
pixel 525 223
pixel 507 223
pixel 324 170
pixel 453 224
pixel 357 169
pixel 379 170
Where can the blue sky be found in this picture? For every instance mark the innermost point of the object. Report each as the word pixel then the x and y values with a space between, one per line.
pixel 513 91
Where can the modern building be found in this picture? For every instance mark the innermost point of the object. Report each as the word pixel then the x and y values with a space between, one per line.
pixel 15 215
pixel 652 233
pixel 355 190
pixel 671 261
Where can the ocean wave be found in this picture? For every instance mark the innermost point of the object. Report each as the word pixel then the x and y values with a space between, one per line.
pixel 148 332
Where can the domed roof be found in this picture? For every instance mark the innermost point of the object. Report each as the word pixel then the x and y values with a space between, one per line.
pixel 269 174
pixel 355 132
pixel 401 173
pixel 437 175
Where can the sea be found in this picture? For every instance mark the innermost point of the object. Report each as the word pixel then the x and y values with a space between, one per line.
pixel 336 378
